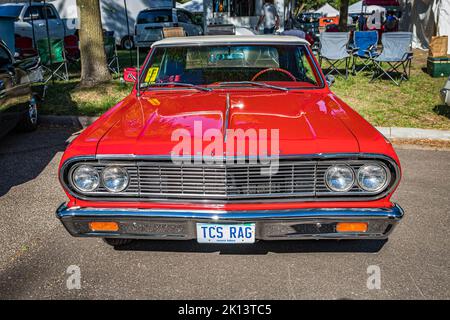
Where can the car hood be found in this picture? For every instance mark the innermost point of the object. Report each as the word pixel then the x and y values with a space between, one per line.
pixel 307 122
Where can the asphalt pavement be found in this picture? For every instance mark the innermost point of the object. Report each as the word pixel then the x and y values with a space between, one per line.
pixel 36 252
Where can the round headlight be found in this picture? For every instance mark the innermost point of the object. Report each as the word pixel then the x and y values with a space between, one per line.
pixel 372 177
pixel 339 178
pixel 115 179
pixel 85 178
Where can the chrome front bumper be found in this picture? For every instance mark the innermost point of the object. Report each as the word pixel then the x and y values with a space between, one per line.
pixel 291 224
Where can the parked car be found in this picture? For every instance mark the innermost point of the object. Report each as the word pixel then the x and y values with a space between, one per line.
pixel 176 159
pixel 36 13
pixel 445 92
pixel 18 103
pixel 150 24
pixel 113 14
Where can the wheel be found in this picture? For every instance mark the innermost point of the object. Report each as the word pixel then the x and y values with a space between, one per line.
pixel 29 121
pixel 127 43
pixel 117 242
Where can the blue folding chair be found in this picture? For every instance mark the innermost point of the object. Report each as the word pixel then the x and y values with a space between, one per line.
pixel 396 54
pixel 364 49
pixel 334 49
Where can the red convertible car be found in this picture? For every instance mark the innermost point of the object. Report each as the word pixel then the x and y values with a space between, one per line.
pixel 230 139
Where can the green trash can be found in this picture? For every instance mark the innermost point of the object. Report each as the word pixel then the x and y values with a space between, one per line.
pixel 438 67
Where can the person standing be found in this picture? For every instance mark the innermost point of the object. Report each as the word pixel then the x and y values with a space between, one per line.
pixel 391 22
pixel 362 22
pixel 269 16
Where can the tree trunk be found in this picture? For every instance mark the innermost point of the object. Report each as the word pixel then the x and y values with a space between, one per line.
pixel 343 15
pixel 94 69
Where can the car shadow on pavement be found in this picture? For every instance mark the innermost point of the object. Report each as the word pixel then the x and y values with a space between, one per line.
pixel 260 247
pixel 23 156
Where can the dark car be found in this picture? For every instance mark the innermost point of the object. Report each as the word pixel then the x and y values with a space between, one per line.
pixel 18 103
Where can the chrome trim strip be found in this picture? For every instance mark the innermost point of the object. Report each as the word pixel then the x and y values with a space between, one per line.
pixel 320 156
pixel 396 212
pixel 229 43
pixel 226 120
pixel 343 156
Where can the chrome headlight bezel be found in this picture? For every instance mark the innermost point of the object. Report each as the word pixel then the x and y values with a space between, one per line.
pixel 381 187
pixel 95 176
pixel 342 167
pixel 119 171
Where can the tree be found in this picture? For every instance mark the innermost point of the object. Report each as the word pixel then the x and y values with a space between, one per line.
pixel 94 69
pixel 343 15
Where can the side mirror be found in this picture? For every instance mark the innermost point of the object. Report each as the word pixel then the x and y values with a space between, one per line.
pixel 329 79
pixel 130 75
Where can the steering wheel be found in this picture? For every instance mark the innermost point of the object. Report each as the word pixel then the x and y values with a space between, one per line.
pixel 290 75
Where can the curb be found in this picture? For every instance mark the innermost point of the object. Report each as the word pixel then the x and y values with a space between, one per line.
pixel 414 133
pixel 388 132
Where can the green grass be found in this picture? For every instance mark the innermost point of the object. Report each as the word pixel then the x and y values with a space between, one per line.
pixel 64 98
pixel 415 103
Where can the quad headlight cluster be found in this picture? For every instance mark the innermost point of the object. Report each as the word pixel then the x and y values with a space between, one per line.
pixel 86 178
pixel 369 177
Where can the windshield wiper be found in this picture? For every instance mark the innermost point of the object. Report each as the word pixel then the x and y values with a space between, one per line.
pixel 260 84
pixel 179 84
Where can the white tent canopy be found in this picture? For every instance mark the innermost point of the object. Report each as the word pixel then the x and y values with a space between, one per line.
pixel 358 8
pixel 192 6
pixel 425 18
pixel 328 11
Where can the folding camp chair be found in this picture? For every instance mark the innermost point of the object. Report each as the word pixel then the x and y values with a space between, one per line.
pixel 111 54
pixel 53 59
pixel 396 54
pixel 333 49
pixel 72 48
pixel 24 47
pixel 364 49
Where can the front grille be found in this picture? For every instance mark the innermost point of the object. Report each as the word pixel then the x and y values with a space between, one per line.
pixel 226 181
pixel 166 180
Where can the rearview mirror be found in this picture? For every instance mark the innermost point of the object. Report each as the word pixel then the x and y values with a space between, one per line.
pixel 130 75
pixel 329 79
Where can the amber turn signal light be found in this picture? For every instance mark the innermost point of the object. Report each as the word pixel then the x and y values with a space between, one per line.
pixel 103 226
pixel 351 227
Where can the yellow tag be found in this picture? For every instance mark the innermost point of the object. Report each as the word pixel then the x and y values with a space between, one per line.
pixel 152 74
pixel 155 102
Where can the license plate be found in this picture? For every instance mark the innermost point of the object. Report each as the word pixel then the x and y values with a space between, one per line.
pixel 226 233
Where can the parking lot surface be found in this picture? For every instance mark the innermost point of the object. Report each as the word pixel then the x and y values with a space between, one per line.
pixel 36 251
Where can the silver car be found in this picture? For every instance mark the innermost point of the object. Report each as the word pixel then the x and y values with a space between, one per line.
pixel 38 14
pixel 150 24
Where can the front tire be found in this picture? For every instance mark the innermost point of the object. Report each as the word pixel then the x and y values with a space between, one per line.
pixel 116 242
pixel 29 122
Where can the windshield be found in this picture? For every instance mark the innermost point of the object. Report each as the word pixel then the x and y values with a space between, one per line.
pixel 10 10
pixel 290 66
pixel 154 16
